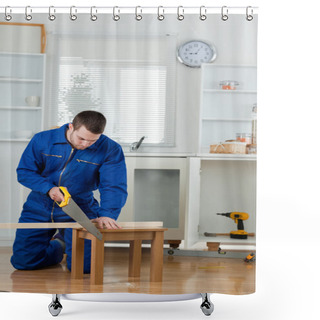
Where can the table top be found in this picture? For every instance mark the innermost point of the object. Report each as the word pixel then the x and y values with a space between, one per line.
pixel 75 225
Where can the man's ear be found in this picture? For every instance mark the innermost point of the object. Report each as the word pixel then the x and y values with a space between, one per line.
pixel 71 127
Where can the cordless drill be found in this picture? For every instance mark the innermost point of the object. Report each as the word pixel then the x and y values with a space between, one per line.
pixel 238 218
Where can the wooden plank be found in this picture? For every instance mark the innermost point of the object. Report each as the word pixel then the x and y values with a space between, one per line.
pixel 208 234
pixel 40 225
pixel 141 224
pixel 63 225
pixel 120 234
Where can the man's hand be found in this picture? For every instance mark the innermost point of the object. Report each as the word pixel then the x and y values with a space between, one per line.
pixel 56 195
pixel 106 223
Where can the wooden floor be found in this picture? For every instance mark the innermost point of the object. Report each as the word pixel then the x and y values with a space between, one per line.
pixel 181 275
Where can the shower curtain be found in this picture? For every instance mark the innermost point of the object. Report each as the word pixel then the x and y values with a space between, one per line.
pixel 178 87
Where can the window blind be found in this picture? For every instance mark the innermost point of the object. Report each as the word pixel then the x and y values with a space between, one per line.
pixel 136 96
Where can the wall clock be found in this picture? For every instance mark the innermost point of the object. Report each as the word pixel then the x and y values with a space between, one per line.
pixel 194 53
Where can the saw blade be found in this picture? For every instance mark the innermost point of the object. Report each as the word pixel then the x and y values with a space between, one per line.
pixel 75 212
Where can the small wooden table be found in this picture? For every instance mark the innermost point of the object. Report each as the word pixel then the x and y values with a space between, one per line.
pixel 134 235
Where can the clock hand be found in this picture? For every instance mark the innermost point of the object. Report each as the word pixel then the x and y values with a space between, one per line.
pixel 196 52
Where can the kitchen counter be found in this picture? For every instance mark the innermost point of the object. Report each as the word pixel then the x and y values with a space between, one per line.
pixel 158 154
pixel 206 156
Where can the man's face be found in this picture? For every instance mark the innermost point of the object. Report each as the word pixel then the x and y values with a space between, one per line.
pixel 81 138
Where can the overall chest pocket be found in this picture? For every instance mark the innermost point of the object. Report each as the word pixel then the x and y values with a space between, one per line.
pixel 52 161
pixel 87 172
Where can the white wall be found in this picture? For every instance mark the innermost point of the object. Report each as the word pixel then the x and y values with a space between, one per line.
pixel 234 39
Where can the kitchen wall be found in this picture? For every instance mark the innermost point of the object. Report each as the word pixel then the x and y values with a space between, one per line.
pixel 235 41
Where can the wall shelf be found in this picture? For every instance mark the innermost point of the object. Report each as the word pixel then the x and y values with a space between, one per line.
pixel 226 119
pixel 20 80
pixel 224 113
pixel 229 91
pixel 14 140
pixel 21 108
pixel 226 156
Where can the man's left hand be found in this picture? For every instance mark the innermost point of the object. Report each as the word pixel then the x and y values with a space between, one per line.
pixel 106 223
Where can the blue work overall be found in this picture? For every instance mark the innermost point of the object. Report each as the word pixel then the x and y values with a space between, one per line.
pixel 49 161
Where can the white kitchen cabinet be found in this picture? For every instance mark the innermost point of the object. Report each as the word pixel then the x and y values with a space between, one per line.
pixel 157 192
pixel 21 76
pixel 224 113
pixel 219 186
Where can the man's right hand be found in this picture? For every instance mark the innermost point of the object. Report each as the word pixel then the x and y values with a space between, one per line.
pixel 56 195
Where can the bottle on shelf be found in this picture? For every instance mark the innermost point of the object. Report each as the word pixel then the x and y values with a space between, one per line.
pixel 253 146
pixel 254 124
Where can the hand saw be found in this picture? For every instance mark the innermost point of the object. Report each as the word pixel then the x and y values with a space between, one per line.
pixel 75 212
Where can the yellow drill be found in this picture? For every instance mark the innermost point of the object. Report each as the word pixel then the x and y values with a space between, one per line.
pixel 238 218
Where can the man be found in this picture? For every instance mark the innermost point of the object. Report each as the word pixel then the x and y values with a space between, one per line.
pixel 79 157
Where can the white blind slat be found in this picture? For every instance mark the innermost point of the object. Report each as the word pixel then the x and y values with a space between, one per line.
pixel 137 97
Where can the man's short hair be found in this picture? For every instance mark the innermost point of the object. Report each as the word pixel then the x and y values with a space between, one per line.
pixel 94 121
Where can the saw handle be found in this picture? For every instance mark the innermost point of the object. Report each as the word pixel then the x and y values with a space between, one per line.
pixel 67 197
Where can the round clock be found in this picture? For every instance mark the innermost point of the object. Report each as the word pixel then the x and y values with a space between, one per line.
pixel 194 53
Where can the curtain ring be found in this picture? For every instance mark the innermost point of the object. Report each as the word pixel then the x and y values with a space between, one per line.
pixel 93 17
pixel 8 17
pixel 138 16
pixel 180 13
pixel 249 17
pixel 160 15
pixel 224 13
pixel 73 17
pixel 28 16
pixel 203 13
pixel 116 17
pixel 52 16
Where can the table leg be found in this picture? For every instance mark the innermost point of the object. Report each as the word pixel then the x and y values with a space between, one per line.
pixel 156 257
pixel 77 255
pixel 135 258
pixel 97 261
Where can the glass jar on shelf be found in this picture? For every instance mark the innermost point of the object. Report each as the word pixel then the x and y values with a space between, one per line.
pixel 228 84
pixel 244 137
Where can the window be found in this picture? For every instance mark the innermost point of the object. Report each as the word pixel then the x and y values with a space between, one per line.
pixel 136 96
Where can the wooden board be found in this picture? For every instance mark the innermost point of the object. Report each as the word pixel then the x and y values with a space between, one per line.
pixel 63 225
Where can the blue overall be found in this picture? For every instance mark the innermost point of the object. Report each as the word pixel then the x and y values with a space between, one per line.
pixel 49 161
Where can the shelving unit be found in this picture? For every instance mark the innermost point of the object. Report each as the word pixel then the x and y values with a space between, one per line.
pixel 222 182
pixel 224 113
pixel 21 75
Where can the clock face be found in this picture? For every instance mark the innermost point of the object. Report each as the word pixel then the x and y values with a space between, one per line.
pixel 194 53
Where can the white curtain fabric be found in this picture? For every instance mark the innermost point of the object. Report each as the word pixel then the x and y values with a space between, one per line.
pixel 129 71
